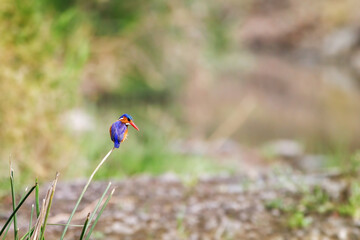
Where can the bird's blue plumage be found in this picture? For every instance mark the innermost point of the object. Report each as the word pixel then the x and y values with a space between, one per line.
pixel 126 115
pixel 118 132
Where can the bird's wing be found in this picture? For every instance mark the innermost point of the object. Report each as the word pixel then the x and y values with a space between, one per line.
pixel 112 132
pixel 120 133
pixel 117 132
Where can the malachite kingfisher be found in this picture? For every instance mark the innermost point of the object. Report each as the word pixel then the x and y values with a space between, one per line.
pixel 119 129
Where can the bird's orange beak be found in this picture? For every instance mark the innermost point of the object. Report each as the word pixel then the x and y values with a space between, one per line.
pixel 133 124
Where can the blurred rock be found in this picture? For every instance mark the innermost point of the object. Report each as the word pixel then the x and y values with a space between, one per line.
pixel 79 121
pixel 341 41
pixel 334 189
pixel 170 178
pixel 285 148
pixel 120 228
pixel 311 163
pixel 343 234
pixel 355 62
pixel 341 78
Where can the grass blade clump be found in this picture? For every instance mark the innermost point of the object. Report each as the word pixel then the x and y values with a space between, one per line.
pixel 83 192
pixel 98 204
pixel 99 214
pixel 12 219
pixel 27 235
pixel 39 229
pixel 50 196
pixel 16 209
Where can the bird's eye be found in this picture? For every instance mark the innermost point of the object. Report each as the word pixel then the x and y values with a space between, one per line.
pixel 128 119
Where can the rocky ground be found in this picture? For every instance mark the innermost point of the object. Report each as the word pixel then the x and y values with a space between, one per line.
pixel 281 205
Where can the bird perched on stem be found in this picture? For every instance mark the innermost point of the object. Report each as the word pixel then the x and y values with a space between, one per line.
pixel 119 129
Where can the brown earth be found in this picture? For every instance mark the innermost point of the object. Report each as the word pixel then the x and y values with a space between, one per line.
pixel 222 207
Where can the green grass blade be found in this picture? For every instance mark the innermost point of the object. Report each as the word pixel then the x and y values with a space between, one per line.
pixel 98 204
pixel 17 208
pixel 37 201
pixel 30 222
pixel 7 229
pixel 83 192
pixel 49 206
pixel 28 234
pixel 59 224
pixel 85 227
pixel 99 214
pixel 13 201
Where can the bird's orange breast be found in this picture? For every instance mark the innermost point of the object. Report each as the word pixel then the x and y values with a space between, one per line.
pixel 125 134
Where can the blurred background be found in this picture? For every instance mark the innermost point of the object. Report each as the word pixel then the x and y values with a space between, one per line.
pixel 213 85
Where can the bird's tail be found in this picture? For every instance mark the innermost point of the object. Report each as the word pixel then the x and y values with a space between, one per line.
pixel 116 144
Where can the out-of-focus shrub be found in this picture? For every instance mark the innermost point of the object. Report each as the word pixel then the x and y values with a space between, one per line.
pixel 41 55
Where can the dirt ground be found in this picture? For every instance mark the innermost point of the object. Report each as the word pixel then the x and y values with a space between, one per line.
pixel 222 207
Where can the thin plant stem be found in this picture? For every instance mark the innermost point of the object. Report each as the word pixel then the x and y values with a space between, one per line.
pixel 30 222
pixel 83 192
pixel 49 206
pixel 7 229
pixel 13 201
pixel 59 224
pixel 85 227
pixel 28 234
pixel 37 200
pixel 40 220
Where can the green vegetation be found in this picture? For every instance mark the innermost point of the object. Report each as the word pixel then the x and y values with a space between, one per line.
pixel 314 201
pixel 276 203
pixel 146 151
pixel 41 63
pixel 317 202
pixel 49 55
pixel 351 207
pixel 152 59
pixel 181 228
pixel 298 220
pixel 82 195
pixel 37 231
pixel 181 69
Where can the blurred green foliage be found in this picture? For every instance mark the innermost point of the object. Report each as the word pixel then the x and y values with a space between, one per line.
pixel 42 55
pixel 351 207
pixel 45 46
pixel 146 151
pixel 165 62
